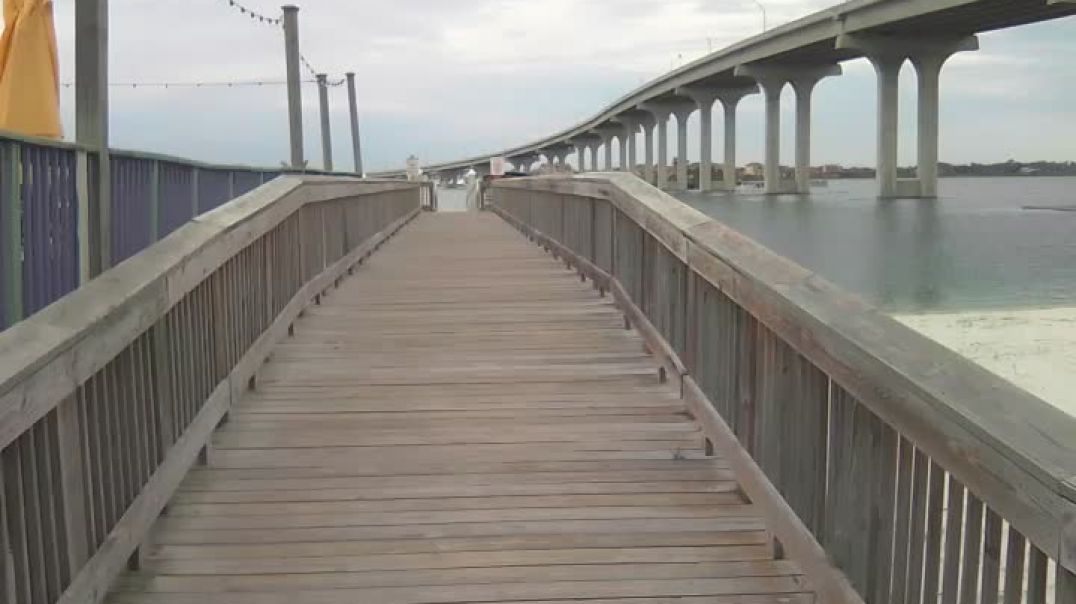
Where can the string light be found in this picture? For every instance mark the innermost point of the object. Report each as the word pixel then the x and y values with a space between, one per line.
pixel 314 72
pixel 274 21
pixel 224 84
pixel 256 16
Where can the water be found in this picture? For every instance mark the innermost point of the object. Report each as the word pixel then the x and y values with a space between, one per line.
pixel 975 247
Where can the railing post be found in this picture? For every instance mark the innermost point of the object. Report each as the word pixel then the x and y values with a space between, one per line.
pixel 88 254
pixel 270 287
pixel 7 570
pixel 72 484
pixel 594 230
pixel 155 201
pixel 194 191
pixel 163 370
pixel 11 238
pixel 91 124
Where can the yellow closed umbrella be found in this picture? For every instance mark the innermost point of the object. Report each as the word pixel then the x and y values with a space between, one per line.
pixel 29 70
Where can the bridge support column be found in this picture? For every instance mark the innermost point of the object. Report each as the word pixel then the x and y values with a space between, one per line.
pixel 648 123
pixel 706 145
pixel 632 120
pixel 594 155
pixel 630 135
pixel 607 132
pixel 661 169
pixel 887 54
pixel 580 156
pixel 704 97
pixel 661 110
pixel 928 65
pixel 730 99
pixel 562 154
pixel 803 78
pixel 623 138
pixel 804 84
pixel 681 147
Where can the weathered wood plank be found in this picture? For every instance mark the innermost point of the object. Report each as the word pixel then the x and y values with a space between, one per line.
pixel 541 456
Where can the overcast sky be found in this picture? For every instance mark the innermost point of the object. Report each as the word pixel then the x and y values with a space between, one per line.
pixel 449 78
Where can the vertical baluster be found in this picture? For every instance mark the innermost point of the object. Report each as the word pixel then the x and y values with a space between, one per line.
pixel 53 529
pixel 89 476
pixel 935 513
pixel 882 520
pixel 110 478
pixel 152 396
pixel 902 537
pixel 991 557
pixel 917 529
pixel 973 536
pixel 847 523
pixel 1036 576
pixel 31 272
pixel 953 527
pixel 189 384
pixel 7 547
pixel 35 535
pixel 142 424
pixel 94 410
pixel 16 511
pixel 125 426
pixel 1066 586
pixel 179 385
pixel 1014 567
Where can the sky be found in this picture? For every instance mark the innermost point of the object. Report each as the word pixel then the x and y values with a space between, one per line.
pixel 446 79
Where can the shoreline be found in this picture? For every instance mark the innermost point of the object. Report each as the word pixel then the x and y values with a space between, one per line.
pixel 1034 348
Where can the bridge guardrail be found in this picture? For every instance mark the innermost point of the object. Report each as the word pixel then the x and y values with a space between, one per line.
pixel 47 189
pixel 108 395
pixel 869 446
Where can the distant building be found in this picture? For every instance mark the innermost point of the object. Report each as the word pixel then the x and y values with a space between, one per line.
pixel 753 169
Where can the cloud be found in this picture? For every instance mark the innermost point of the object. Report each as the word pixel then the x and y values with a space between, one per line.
pixel 451 78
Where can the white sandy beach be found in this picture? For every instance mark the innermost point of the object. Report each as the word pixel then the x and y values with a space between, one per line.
pixel 1033 348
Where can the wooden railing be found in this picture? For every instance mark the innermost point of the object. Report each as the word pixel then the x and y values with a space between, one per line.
pixel 108 395
pixel 921 476
pixel 54 232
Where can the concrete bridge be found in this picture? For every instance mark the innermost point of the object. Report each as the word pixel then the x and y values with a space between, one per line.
pixel 798 54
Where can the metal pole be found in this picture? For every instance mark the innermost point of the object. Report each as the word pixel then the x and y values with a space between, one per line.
pixel 295 93
pixel 356 142
pixel 763 9
pixel 91 130
pixel 326 134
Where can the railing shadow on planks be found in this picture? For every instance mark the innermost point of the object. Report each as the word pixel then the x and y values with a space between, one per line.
pixel 108 395
pixel 870 448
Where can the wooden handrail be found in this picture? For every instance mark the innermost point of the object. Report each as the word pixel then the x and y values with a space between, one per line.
pixel 764 338
pixel 108 394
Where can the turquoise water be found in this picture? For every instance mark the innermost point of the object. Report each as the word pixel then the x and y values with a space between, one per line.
pixel 975 247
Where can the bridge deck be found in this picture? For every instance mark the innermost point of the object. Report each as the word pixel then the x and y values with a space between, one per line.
pixel 462 421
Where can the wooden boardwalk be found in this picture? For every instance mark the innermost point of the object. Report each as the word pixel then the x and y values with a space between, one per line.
pixel 461 421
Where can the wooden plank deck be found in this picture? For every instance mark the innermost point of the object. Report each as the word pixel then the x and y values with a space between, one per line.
pixel 461 421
